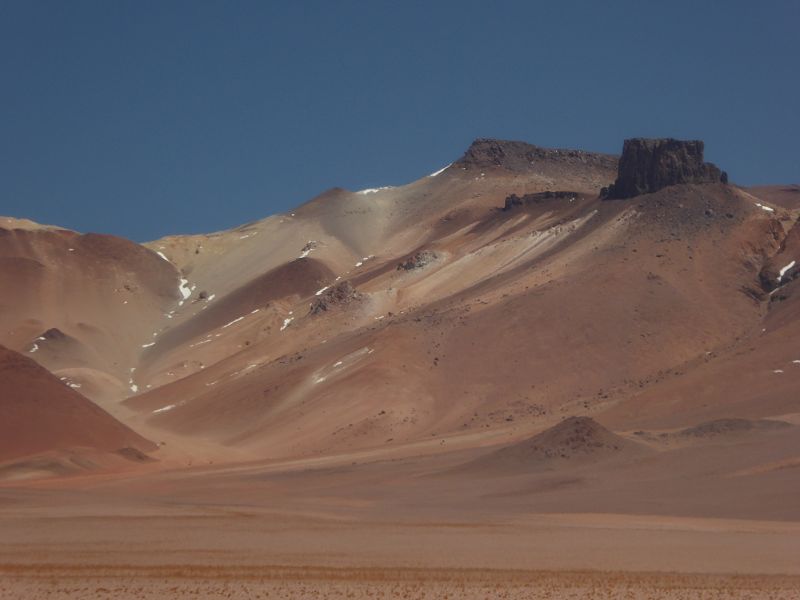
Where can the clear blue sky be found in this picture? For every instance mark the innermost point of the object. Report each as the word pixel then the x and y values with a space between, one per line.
pixel 146 118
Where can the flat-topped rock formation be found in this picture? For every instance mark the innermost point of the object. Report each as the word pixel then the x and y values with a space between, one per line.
pixel 485 153
pixel 648 165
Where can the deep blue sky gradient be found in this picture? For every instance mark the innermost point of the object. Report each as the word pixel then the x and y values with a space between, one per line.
pixel 149 118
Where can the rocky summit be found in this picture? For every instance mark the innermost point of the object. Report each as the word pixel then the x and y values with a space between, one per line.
pixel 648 165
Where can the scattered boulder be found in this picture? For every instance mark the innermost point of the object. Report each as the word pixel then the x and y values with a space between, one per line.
pixel 341 294
pixel 418 260
pixel 513 201
pixel 648 165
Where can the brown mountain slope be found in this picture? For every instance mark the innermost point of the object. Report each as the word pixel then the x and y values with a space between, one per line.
pixel 39 413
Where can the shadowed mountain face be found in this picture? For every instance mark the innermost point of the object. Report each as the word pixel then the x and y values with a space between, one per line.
pixel 478 306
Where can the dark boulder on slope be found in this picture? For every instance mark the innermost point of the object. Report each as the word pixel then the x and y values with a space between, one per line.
pixel 648 165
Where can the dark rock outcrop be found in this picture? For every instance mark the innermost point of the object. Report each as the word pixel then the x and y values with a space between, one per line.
pixel 514 201
pixel 648 165
pixel 418 260
pixel 341 294
pixel 485 153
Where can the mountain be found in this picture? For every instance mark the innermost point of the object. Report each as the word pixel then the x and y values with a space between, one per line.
pixel 481 304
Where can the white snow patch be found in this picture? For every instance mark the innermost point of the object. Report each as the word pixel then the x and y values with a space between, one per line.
pixel 318 292
pixel 255 311
pixel 134 388
pixel 34 349
pixel 378 318
pixel 211 297
pixel 232 322
pixel 161 254
pixel 73 385
pixel 337 364
pixel 148 345
pixel 286 323
pixel 164 408
pixel 765 207
pixel 440 171
pixel 184 289
pixel 778 371
pixel 41 338
pixel 359 263
pixel 784 269
pixel 374 190
pixel 70 249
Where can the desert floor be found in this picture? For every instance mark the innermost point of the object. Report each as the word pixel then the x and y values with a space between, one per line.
pixel 292 535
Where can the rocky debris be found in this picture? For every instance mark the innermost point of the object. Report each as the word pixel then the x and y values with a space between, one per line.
pixel 784 266
pixel 722 427
pixel 514 201
pixel 648 165
pixel 418 260
pixel 485 153
pixel 342 294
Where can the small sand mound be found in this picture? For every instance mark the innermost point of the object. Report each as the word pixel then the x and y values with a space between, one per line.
pixel 574 439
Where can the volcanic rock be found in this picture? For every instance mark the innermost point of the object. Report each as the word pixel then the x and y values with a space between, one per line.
pixel 341 294
pixel 418 260
pixel 648 165
pixel 520 156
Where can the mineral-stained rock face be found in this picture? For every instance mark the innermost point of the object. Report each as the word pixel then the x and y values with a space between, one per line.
pixel 648 165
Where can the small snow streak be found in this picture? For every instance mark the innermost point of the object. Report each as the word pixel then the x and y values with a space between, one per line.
pixel 161 254
pixel 374 190
pixel 164 409
pixel 784 269
pixel 765 207
pixel 232 322
pixel 286 323
pixel 440 171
